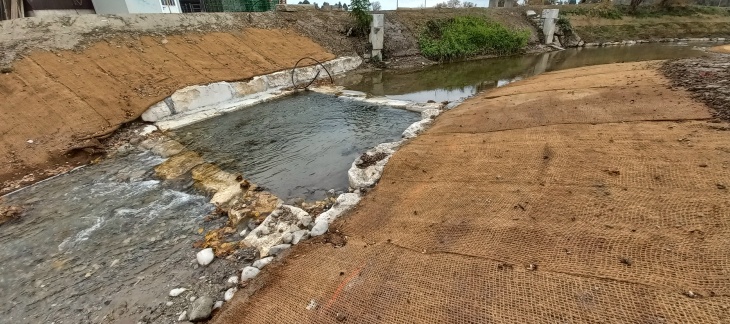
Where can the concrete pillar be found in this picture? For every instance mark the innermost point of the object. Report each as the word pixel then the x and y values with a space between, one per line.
pixel 549 16
pixel 377 31
pixel 509 3
pixel 493 3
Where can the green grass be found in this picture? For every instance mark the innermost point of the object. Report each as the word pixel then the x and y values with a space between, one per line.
pixel 461 37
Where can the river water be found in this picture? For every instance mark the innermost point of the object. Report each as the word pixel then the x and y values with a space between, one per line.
pixel 456 81
pixel 298 146
pixel 109 235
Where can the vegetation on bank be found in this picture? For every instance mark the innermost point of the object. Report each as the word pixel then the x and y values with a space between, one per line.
pixel 608 11
pixel 466 36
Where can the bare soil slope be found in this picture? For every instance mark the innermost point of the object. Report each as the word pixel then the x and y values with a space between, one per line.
pixel 53 99
pixel 592 195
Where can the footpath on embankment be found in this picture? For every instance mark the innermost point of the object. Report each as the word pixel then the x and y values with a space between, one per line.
pixel 597 194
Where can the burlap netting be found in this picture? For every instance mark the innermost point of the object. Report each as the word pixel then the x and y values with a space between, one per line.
pixel 580 202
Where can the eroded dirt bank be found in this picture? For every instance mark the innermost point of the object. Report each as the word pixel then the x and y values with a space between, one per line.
pixel 586 195
pixel 55 100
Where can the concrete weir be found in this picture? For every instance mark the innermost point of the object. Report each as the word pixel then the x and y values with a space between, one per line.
pixel 199 102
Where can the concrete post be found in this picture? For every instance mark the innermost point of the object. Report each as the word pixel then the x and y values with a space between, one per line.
pixel 548 24
pixel 509 3
pixel 493 3
pixel 377 31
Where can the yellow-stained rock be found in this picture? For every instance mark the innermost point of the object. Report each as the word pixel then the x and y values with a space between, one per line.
pixel 178 165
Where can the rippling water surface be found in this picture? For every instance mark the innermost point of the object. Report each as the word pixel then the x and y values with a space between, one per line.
pixel 297 146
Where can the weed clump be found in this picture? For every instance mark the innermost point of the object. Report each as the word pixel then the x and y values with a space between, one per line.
pixel 466 36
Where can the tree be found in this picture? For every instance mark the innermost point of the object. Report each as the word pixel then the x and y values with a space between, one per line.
pixel 344 6
pixel 376 6
pixel 316 6
pixel 454 4
pixel 359 11
pixel 468 4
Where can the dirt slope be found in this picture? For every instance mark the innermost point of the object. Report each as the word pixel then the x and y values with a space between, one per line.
pixel 595 29
pixel 55 98
pixel 592 195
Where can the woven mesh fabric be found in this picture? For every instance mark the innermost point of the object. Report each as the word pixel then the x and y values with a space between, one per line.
pixel 521 208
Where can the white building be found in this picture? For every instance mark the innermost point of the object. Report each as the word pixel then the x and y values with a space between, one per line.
pixel 136 6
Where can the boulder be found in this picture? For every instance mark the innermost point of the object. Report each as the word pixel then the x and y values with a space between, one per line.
pixel 205 256
pixel 201 309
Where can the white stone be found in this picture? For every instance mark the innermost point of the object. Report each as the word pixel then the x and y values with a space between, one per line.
pixel 344 203
pixel 205 256
pixel 416 128
pixel 192 298
pixel 156 112
pixel 218 304
pixel 305 221
pixel 148 129
pixel 177 291
pixel 312 304
pixel 260 263
pixel 249 273
pixel 29 141
pixel 299 235
pixel 183 316
pixel 273 229
pixel 430 113
pixel 286 239
pixel 276 249
pixel 367 177
pixel 229 294
pixel 232 280
pixel 169 303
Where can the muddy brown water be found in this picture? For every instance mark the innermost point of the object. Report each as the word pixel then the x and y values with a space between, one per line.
pixel 456 81
pixel 111 240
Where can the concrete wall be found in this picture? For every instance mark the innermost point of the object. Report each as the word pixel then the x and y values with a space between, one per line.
pixel 63 12
pixel 144 6
pixel 105 7
pixel 132 6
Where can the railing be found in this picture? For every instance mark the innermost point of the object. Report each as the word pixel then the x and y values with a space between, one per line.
pixel 228 5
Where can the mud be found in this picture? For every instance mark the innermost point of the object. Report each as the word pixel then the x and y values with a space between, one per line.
pixel 707 78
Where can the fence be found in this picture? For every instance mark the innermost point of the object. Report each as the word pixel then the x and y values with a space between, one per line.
pixel 228 5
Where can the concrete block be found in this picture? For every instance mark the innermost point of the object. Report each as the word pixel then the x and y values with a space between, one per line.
pixel 256 85
pixel 195 97
pixel 156 112
pixel 548 27
pixel 377 32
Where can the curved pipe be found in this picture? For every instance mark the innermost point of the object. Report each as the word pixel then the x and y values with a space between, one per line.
pixel 315 77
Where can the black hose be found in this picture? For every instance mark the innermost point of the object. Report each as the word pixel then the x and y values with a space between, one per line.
pixel 315 77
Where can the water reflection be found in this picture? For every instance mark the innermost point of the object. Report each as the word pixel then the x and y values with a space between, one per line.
pixel 454 81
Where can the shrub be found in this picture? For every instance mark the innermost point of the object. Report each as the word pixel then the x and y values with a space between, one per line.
pixel 359 11
pixel 462 37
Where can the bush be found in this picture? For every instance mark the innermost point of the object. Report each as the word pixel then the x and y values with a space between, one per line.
pixel 462 37
pixel 362 16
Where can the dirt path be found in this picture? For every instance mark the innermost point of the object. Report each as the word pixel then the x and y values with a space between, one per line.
pixel 53 100
pixel 588 195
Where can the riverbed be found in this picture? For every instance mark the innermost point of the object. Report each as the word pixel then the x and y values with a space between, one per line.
pixel 108 241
